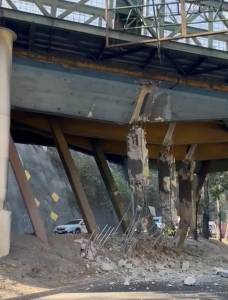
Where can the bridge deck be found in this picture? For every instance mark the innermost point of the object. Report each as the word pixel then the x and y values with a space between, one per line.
pixel 55 51
pixel 174 61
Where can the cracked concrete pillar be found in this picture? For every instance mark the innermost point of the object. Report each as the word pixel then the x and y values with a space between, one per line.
pixel 6 41
pixel 187 184
pixel 167 186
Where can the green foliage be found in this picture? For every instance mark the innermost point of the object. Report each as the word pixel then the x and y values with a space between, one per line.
pixel 218 190
pixel 121 180
pixel 218 183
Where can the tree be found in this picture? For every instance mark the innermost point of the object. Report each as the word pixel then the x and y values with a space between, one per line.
pixel 206 210
pixel 219 193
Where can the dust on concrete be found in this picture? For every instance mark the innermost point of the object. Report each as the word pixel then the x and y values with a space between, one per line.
pixel 33 267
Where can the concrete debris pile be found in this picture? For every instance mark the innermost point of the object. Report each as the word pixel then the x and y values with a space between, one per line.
pixel 190 280
pixel 222 272
pixel 73 259
pixel 88 249
pixel 149 261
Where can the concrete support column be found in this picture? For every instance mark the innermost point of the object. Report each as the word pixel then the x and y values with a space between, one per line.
pixel 186 209
pixel 73 176
pixel 6 41
pixel 167 186
pixel 110 184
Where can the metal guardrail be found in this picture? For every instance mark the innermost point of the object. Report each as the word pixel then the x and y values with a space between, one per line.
pixel 198 22
pixel 195 22
pixel 82 11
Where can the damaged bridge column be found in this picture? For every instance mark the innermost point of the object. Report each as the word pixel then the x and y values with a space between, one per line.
pixel 138 159
pixel 138 172
pixel 27 195
pixel 6 42
pixel 167 179
pixel 187 204
pixel 167 186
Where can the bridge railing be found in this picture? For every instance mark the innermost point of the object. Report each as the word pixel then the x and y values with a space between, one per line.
pixel 199 22
pixel 203 23
pixel 83 11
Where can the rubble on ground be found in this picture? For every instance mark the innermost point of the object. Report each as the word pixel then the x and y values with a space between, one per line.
pixel 151 261
pixel 185 266
pixel 222 272
pixel 190 280
pixel 71 258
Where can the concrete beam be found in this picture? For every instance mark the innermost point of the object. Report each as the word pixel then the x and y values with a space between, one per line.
pixel 212 138
pixel 117 70
pixel 185 133
pixel 203 152
pixel 217 152
pixel 105 98
pixel 26 193
pixel 73 176
pixel 110 184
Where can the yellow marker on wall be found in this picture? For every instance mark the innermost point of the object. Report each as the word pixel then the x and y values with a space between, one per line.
pixel 55 197
pixel 54 216
pixel 37 202
pixel 27 174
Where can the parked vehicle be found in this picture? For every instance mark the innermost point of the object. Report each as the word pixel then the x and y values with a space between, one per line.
pixel 75 226
pixel 213 229
pixel 158 222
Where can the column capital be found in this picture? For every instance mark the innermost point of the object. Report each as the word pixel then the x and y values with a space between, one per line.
pixel 8 33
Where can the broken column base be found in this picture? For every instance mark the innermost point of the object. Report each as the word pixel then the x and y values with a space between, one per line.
pixel 5 230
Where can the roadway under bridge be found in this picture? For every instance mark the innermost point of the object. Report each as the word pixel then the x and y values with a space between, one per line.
pixel 71 88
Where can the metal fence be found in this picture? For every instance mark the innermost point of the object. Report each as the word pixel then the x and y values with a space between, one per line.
pixel 198 22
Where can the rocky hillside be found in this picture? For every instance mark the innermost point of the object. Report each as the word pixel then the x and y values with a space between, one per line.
pixel 52 191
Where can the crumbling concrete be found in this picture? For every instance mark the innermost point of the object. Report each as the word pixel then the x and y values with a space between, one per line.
pixel 190 280
pixel 138 171
pixel 167 186
pixel 222 272
pixel 138 167
pixel 32 266
pixel 186 199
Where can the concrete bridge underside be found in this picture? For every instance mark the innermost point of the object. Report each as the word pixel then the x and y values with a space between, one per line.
pixel 98 105
pixel 56 59
pixel 67 89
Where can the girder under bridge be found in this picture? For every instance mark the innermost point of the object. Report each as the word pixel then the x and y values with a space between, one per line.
pixel 65 66
pixel 92 75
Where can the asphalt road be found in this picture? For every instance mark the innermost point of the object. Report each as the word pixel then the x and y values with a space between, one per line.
pixel 130 296
pixel 142 290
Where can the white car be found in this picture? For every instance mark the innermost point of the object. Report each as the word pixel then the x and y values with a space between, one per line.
pixel 75 226
pixel 213 228
pixel 158 222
